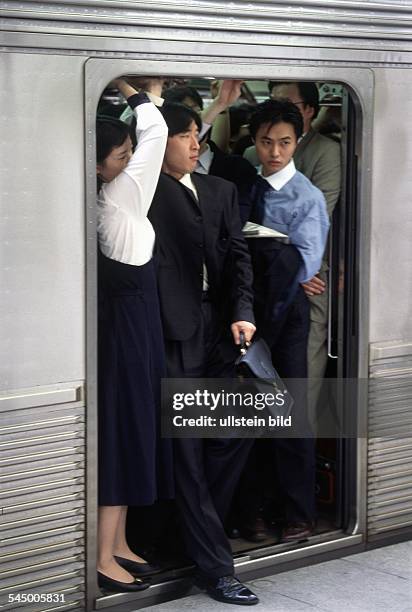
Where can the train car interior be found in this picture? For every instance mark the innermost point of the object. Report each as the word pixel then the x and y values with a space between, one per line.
pixel 153 532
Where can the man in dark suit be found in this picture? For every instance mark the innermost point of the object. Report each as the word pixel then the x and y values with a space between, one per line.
pixel 205 287
pixel 233 168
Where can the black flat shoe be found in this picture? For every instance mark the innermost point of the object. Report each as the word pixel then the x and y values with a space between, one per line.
pixel 110 584
pixel 228 589
pixel 138 569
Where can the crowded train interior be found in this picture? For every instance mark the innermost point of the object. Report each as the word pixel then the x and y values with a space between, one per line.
pixel 153 531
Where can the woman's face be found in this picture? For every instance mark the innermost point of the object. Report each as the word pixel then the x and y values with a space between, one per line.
pixel 116 161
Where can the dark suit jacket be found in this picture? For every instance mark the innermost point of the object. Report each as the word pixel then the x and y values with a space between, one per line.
pixel 234 168
pixel 239 171
pixel 189 233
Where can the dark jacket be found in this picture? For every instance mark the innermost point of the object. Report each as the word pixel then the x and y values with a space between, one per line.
pixel 234 168
pixel 275 268
pixel 239 171
pixel 189 233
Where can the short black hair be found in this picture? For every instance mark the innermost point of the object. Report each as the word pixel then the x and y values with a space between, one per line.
pixel 178 117
pixel 110 133
pixel 308 91
pixel 276 111
pixel 178 94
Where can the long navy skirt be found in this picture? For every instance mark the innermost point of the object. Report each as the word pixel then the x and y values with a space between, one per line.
pixel 135 464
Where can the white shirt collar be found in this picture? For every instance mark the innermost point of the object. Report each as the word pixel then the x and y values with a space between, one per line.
pixel 277 180
pixel 186 180
pixel 205 161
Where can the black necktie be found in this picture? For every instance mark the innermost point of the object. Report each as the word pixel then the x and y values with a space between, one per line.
pixel 259 190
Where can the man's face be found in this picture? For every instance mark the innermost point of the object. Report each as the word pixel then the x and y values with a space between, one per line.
pixel 292 93
pixel 182 152
pixel 275 146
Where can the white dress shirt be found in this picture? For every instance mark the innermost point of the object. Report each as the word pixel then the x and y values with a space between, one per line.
pixel 125 233
pixel 277 180
pixel 187 182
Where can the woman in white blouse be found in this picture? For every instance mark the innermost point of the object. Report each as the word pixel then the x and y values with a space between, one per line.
pixel 135 464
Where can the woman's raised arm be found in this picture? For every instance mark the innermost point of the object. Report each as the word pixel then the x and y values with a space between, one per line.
pixel 133 190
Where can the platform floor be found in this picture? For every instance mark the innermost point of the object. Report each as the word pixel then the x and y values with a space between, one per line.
pixel 379 580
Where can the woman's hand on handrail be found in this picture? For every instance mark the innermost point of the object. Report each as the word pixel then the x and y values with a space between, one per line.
pixel 125 88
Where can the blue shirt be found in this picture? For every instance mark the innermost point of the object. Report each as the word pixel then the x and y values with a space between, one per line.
pixel 297 209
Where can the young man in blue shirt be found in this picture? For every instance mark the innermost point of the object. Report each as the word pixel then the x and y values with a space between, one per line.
pixel 285 200
pixel 318 157
pixel 291 203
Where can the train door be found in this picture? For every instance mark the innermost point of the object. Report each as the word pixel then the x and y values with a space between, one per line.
pixel 343 525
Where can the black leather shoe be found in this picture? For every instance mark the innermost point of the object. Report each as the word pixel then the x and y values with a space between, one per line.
pixel 297 531
pixel 138 569
pixel 228 589
pixel 110 584
pixel 254 530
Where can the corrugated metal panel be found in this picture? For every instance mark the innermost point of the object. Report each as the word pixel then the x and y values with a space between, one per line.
pixel 42 502
pixel 376 19
pixel 390 442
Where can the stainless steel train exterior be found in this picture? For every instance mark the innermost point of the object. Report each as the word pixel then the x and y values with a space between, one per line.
pixel 56 59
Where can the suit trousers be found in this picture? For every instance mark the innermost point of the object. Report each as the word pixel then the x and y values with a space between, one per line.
pixel 292 460
pixel 295 458
pixel 206 470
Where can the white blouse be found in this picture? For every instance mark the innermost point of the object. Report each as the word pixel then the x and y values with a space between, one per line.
pixel 125 233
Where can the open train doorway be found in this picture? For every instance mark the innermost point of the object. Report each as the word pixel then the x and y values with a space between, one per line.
pixel 153 532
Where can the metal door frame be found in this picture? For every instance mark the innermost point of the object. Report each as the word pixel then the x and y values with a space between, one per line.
pixel 360 83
